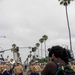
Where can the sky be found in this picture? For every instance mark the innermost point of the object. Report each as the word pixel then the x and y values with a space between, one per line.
pixel 24 22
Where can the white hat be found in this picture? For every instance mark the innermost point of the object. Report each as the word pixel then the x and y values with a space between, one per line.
pixel 18 62
pixel 12 62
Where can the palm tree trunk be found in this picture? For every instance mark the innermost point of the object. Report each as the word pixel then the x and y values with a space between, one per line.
pixel 38 52
pixel 68 28
pixel 45 48
pixel 34 53
pixel 41 50
pixel 34 56
pixel 30 58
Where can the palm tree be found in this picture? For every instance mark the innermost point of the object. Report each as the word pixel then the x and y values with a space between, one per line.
pixel 30 56
pixel 27 60
pixel 30 51
pixel 41 41
pixel 14 51
pixel 34 50
pixel 18 54
pixel 37 45
pixel 33 57
pixel 66 3
pixel 45 38
pixel 13 47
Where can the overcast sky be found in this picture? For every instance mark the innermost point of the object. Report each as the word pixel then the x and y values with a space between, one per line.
pixel 24 22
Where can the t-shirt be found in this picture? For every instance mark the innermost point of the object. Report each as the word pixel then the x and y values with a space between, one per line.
pixel 50 69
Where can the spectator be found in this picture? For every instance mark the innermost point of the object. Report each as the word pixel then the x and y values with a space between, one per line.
pixel 18 69
pixel 58 58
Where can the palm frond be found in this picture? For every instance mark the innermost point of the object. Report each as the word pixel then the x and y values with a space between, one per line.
pixel 61 3
pixel 65 2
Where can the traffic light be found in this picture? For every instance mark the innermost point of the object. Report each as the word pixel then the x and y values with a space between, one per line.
pixel 17 48
pixel 33 49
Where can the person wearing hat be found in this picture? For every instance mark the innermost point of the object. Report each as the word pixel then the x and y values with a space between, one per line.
pixel 18 69
pixel 35 68
pixel 31 69
pixel 5 69
pixel 1 69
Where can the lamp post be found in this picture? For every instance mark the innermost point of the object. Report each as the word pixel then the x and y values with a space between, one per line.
pixel 2 36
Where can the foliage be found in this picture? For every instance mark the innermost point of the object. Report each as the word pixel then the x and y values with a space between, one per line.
pixel 45 37
pixel 37 44
pixel 43 60
pixel 65 2
pixel 34 49
pixel 41 40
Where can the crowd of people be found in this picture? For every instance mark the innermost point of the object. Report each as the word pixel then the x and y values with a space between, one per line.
pixel 60 63
pixel 35 68
pixel 11 68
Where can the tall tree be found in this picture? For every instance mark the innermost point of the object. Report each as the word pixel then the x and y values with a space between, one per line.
pixel 66 3
pixel 18 54
pixel 14 47
pixel 30 52
pixel 34 50
pixel 45 38
pixel 30 56
pixel 14 51
pixel 27 60
pixel 37 45
pixel 41 41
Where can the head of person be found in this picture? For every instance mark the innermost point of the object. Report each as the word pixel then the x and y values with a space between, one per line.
pixel 18 63
pixel 3 62
pixel 58 52
pixel 36 62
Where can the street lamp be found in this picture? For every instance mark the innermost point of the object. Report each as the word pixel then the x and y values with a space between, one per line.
pixel 2 36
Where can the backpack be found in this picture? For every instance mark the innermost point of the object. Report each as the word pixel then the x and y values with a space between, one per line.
pixel 63 70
